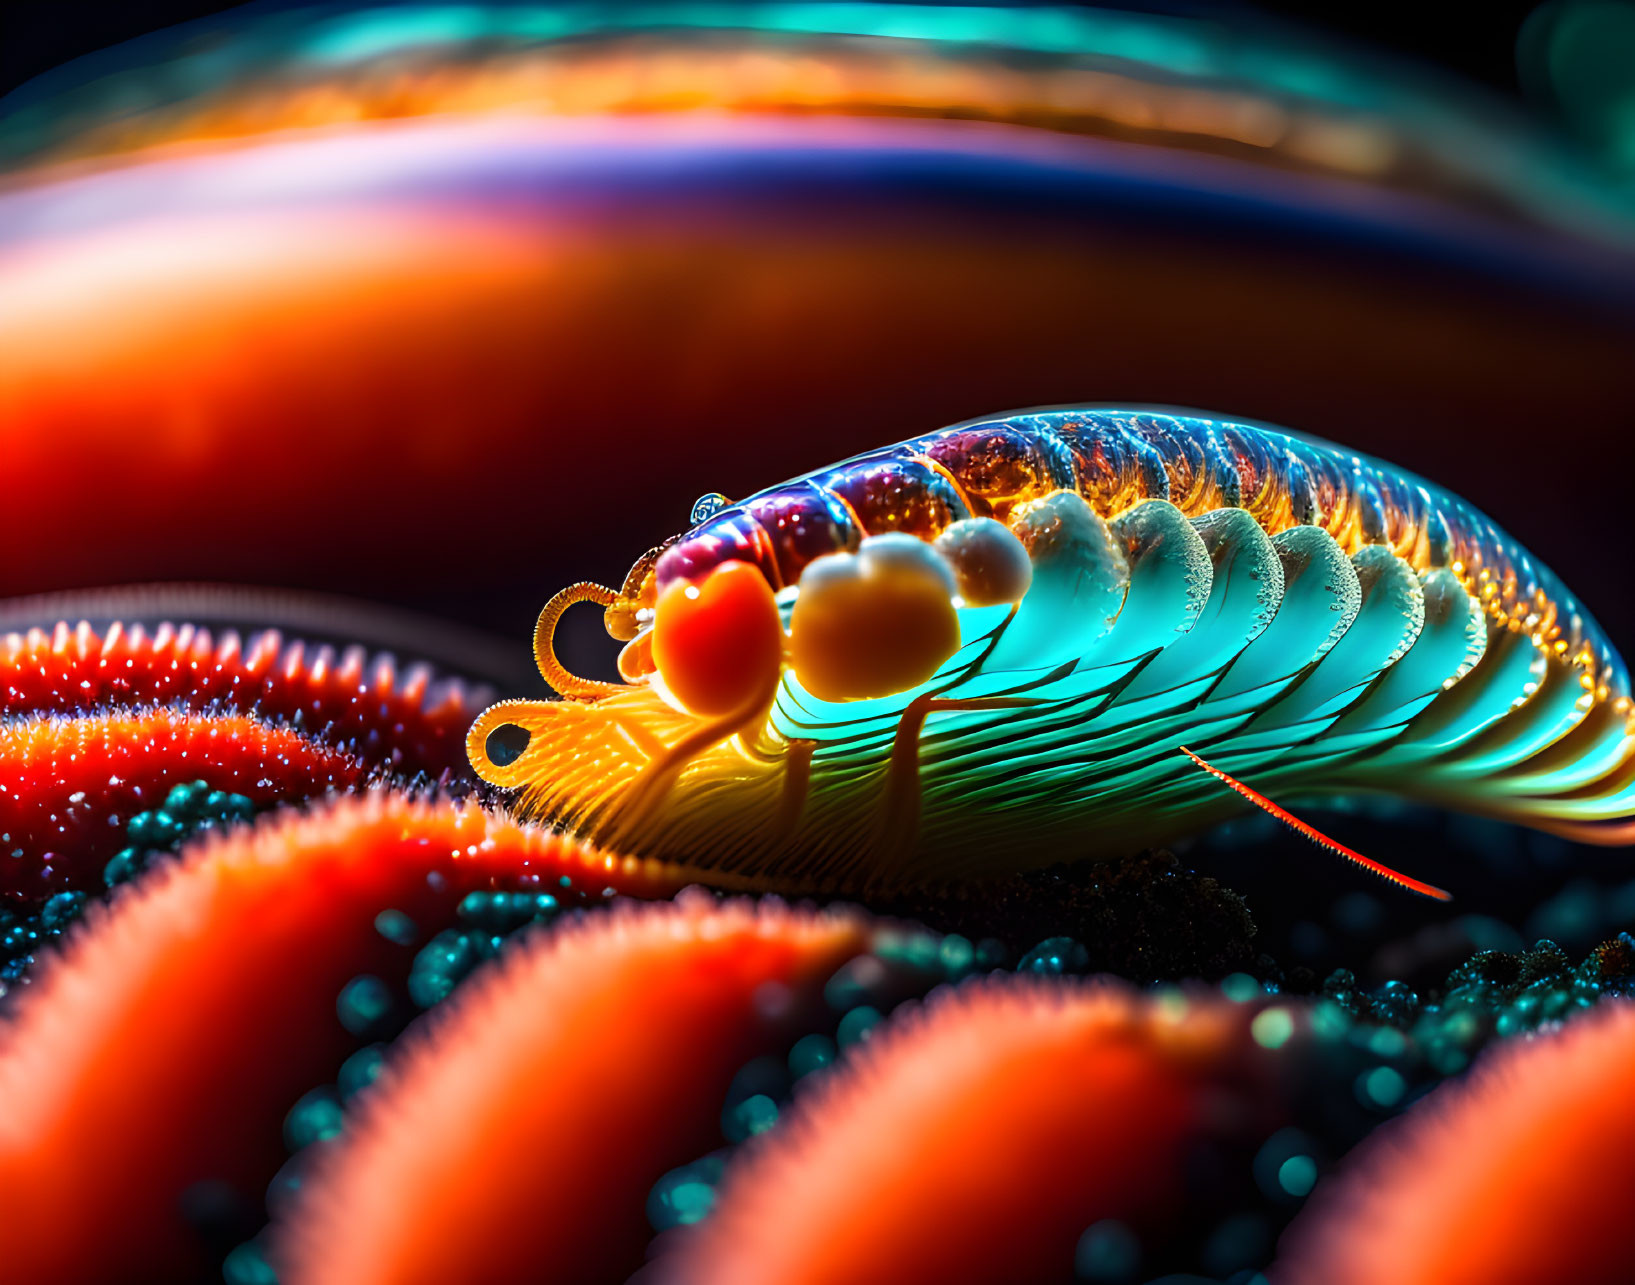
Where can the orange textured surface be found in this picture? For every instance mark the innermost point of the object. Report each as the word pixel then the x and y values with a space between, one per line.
pixel 401 349
pixel 181 1023
pixel 1522 1172
pixel 68 670
pixel 522 1134
pixel 976 1142
pixel 61 779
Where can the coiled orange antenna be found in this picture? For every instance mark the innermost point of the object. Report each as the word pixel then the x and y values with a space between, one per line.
pixel 566 684
pixel 620 612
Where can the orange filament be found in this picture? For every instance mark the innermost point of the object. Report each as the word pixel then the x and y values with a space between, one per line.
pixel 1315 835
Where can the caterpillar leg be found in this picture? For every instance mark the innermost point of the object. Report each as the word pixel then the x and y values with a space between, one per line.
pixel 1315 835
pixel 796 758
pixel 797 781
pixel 660 773
pixel 899 822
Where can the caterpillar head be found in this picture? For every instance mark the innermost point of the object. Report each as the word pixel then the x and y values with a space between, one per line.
pixel 688 734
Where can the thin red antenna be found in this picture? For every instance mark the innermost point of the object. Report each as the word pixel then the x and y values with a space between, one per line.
pixel 1315 835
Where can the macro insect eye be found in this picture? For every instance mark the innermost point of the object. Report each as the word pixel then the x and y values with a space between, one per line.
pixel 506 743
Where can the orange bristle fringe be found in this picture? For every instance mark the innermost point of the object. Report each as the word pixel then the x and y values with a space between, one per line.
pixel 63 779
pixel 521 1134
pixel 163 1047
pixel 977 1140
pixel 347 697
pixel 1517 1174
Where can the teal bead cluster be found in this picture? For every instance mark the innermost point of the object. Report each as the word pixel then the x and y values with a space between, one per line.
pixel 188 810
pixel 902 967
pixel 487 919
pixel 22 934
pixel 685 1195
pixel 1380 1048
pixel 371 1008
pixel 1492 995
pixel 1056 955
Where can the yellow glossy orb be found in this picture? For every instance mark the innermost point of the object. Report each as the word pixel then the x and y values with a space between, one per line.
pixel 872 623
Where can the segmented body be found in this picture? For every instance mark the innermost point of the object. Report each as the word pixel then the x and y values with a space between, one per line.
pixel 1310 620
pixel 1115 459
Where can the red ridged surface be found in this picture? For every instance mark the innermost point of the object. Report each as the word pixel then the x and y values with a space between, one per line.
pixel 65 781
pixel 518 1140
pixel 181 1023
pixel 394 717
pixel 1523 1172
pixel 975 1142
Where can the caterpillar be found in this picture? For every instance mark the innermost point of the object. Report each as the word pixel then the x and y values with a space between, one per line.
pixel 947 658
